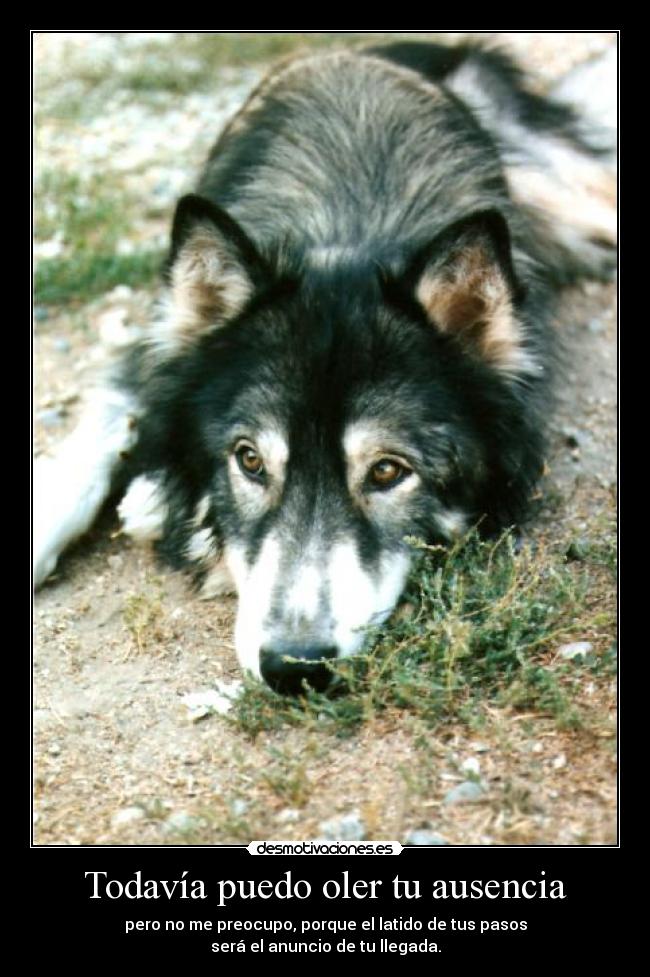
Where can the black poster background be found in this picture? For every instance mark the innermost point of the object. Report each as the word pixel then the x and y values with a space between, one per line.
pixel 50 918
pixel 68 924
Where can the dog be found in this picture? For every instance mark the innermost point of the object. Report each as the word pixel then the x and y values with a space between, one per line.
pixel 355 344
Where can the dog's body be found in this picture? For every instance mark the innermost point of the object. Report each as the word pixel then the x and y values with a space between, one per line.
pixel 355 345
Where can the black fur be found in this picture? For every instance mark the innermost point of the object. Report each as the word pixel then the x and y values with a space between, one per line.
pixel 360 224
pixel 323 332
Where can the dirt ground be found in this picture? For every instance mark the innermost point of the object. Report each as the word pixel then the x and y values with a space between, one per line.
pixel 119 641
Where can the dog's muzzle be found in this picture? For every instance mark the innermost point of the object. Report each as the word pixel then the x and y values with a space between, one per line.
pixel 285 666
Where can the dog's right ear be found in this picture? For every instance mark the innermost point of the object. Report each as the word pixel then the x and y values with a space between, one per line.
pixel 213 270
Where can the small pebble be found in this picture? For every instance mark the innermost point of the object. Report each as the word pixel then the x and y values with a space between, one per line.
pixel 575 649
pixel 347 827
pixel 239 807
pixel 465 793
pixel 61 345
pixel 218 700
pixel 288 815
pixel 596 327
pixel 76 705
pixel 471 766
pixel 181 821
pixel 423 837
pixel 480 748
pixel 126 816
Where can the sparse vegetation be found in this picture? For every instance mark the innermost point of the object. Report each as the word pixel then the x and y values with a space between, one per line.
pixel 88 220
pixel 144 618
pixel 482 620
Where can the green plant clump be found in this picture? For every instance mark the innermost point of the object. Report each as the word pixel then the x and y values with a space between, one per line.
pixel 476 622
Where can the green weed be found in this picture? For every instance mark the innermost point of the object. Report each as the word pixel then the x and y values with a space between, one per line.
pixel 482 616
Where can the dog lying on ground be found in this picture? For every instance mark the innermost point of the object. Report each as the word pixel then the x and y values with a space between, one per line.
pixel 355 344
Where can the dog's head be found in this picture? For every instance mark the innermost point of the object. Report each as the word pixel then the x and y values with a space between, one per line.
pixel 330 411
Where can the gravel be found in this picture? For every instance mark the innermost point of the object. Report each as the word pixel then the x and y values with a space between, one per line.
pixel 127 815
pixel 466 793
pixel 421 836
pixel 182 822
pixel 347 827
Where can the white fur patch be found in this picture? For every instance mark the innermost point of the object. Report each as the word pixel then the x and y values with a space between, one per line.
pixel 201 511
pixel 452 522
pixel 254 498
pixel 352 599
pixel 201 546
pixel 360 441
pixel 143 509
pixel 70 488
pixel 274 449
pixel 364 445
pixel 255 586
pixel 358 601
pixel 326 257
pixel 303 598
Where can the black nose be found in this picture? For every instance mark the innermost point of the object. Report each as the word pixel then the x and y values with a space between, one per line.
pixel 284 666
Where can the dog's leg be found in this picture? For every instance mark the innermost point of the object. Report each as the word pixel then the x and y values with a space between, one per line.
pixel 70 486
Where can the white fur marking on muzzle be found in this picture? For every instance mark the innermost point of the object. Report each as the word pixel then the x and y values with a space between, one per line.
pixel 358 600
pixel 255 586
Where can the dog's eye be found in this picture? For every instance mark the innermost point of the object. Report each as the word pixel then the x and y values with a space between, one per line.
pixel 387 472
pixel 249 460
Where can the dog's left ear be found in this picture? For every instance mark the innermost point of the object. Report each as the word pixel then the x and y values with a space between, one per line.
pixel 466 284
pixel 213 269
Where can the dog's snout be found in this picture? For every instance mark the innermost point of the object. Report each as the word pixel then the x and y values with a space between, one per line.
pixel 285 666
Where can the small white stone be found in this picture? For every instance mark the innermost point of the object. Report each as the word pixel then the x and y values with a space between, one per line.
pixel 182 822
pixel 471 766
pixel 217 700
pixel 288 815
pixel 465 793
pixel 347 827
pixel 575 649
pixel 126 816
